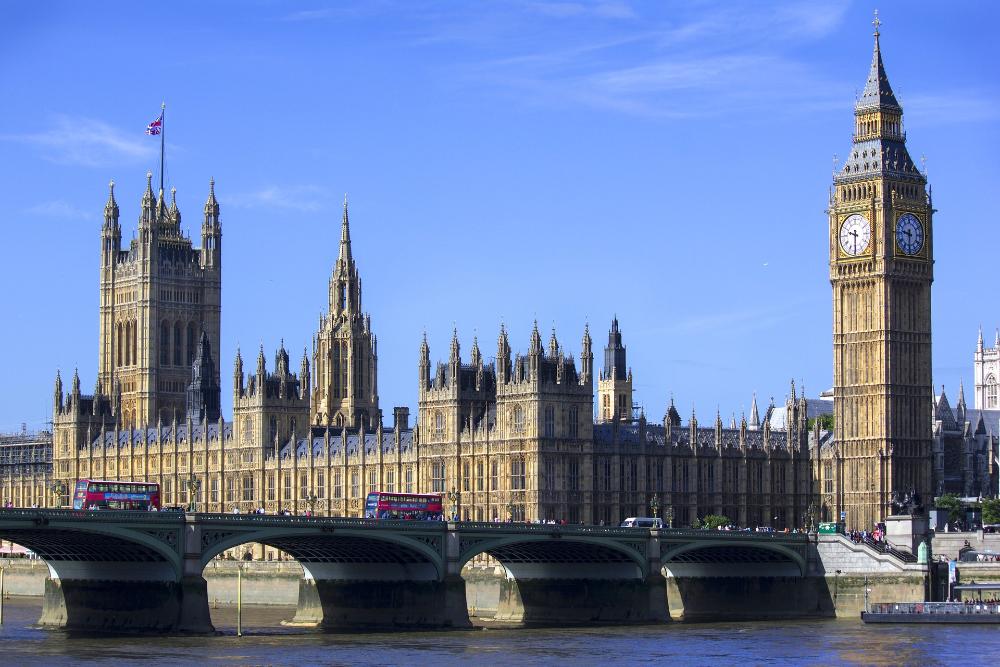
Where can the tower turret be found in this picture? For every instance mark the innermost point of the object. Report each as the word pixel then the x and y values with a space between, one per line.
pixel 57 394
pixel 587 356
pixel 238 374
pixel 211 230
pixel 503 356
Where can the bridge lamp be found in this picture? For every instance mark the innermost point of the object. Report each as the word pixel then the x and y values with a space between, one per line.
pixel 670 516
pixel 510 510
pixel 58 490
pixel 654 505
pixel 193 485
pixel 311 500
pixel 455 497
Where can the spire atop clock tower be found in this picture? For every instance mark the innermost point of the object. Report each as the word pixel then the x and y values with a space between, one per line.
pixel 881 269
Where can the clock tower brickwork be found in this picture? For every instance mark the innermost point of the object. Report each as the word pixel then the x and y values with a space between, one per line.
pixel 881 316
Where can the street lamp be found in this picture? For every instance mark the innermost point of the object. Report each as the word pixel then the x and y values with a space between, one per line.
pixel 654 505
pixel 510 510
pixel 58 490
pixel 193 485
pixel 454 496
pixel 311 500
pixel 670 516
pixel 811 517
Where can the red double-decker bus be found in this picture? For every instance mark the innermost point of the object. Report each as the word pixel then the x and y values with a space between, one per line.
pixel 409 506
pixel 95 494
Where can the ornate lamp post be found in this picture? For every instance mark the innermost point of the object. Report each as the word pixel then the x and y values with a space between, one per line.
pixel 193 486
pixel 510 510
pixel 670 516
pixel 311 500
pixel 811 517
pixel 455 497
pixel 58 490
pixel 654 505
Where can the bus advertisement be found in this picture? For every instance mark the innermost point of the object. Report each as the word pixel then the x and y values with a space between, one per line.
pixel 408 506
pixel 92 494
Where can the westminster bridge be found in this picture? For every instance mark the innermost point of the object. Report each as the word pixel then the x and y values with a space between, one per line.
pixel 143 571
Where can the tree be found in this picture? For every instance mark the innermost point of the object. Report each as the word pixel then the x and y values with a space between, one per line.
pixel 952 504
pixel 991 510
pixel 712 522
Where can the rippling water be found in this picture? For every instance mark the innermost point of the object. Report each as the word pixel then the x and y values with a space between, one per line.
pixel 266 642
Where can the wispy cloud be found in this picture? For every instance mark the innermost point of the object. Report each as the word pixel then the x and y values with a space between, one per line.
pixel 86 142
pixel 958 106
pixel 305 198
pixel 686 62
pixel 608 10
pixel 59 209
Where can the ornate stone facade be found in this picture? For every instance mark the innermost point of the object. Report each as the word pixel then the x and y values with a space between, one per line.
pixel 881 269
pixel 986 370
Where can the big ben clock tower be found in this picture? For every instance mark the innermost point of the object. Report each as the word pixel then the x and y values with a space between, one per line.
pixel 881 269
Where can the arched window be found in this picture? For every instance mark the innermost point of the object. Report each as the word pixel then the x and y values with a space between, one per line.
pixel 439 423
pixel 991 392
pixel 177 344
pixel 164 343
pixel 190 344
pixel 273 433
pixel 119 344
pixel 518 419
pixel 135 349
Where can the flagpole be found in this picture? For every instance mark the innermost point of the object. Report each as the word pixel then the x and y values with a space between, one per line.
pixel 163 111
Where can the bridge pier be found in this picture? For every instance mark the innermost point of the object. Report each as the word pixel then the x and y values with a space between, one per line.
pixel 105 604
pixel 333 597
pixel 562 601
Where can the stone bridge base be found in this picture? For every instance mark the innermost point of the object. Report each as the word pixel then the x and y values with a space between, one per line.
pixel 371 605
pixel 127 606
pixel 582 601
pixel 753 598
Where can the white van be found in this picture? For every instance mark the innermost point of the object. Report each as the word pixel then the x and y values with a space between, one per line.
pixel 643 522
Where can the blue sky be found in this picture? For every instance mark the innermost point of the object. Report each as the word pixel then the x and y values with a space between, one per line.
pixel 667 162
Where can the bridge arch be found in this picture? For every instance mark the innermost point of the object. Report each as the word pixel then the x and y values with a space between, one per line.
pixel 330 552
pixel 727 552
pixel 557 549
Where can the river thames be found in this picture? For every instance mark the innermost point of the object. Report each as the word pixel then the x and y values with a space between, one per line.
pixel 266 642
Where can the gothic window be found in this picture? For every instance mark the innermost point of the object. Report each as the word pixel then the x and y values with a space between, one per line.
pixel 409 479
pixel 291 425
pixel 247 431
pixel 272 430
pixel 390 481
pixel 479 476
pixel 214 495
pixel 550 474
pixel 550 422
pixel 303 484
pixel 991 392
pixel 190 344
pixel 164 343
pixel 518 419
pixel 355 485
pixel 320 484
pixel 573 475
pixel 466 476
pixel 177 344
pixel 287 486
pixel 574 420
pixel 248 490
pixel 335 364
pixel 517 476
pixel 494 469
pixel 372 481
pixel 270 486
pixel 437 477
pixel 343 296
pixel 439 424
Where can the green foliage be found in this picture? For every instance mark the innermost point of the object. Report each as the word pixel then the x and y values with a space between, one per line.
pixel 825 422
pixel 712 522
pixel 952 504
pixel 991 510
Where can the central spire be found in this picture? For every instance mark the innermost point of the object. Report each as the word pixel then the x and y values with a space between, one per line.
pixel 345 236
pixel 877 93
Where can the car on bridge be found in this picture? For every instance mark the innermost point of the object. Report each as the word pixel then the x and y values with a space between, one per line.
pixel 643 522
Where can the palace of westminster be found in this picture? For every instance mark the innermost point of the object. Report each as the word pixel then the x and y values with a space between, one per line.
pixel 516 437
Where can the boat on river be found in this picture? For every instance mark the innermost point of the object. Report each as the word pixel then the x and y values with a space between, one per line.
pixel 968 611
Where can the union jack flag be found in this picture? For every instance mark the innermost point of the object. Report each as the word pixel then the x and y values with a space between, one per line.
pixel 156 125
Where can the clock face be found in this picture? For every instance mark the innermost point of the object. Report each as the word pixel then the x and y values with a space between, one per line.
pixel 855 234
pixel 909 234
